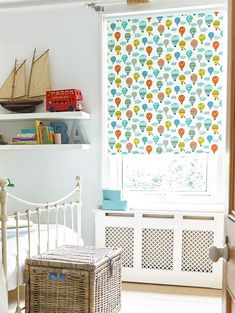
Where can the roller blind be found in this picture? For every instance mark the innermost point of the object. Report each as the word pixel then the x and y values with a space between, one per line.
pixel 165 82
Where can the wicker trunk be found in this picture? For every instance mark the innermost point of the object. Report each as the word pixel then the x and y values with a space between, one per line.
pixel 74 279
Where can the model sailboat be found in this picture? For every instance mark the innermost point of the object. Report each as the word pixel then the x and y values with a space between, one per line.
pixel 19 97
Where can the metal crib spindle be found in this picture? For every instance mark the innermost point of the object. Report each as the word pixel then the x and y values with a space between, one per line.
pixel 72 216
pixel 28 216
pixel 48 228
pixel 39 229
pixel 57 222
pixel 79 205
pixel 65 220
pixel 18 309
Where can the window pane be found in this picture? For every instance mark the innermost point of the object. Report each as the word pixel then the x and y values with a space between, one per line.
pixel 165 173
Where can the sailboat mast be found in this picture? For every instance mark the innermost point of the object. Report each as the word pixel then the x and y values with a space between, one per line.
pixel 31 70
pixel 13 84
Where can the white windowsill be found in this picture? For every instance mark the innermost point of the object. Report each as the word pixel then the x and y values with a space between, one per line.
pixel 177 206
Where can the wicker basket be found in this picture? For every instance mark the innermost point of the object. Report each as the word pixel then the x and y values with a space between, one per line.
pixel 74 279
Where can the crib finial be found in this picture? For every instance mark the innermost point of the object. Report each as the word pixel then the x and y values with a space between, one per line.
pixel 78 180
pixel 3 184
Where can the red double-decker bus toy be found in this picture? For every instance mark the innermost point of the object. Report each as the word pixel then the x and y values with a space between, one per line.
pixel 64 100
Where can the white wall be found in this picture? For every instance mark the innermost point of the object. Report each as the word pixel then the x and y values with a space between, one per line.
pixel 71 32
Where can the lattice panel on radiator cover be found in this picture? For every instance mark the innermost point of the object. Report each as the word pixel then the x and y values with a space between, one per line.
pixel 157 248
pixel 121 237
pixel 195 246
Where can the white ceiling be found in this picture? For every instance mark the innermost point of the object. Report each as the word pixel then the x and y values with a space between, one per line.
pixel 21 3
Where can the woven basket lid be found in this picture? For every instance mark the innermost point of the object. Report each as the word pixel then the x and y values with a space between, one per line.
pixel 75 257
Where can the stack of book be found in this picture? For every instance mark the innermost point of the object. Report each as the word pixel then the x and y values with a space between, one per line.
pixel 44 134
pixel 26 137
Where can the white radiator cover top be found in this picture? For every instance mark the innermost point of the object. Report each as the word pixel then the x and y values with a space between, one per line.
pixel 164 247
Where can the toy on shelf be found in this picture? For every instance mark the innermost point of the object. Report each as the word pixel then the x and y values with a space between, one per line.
pixel 64 100
pixel 61 128
pixel 2 142
pixel 21 96
pixel 112 201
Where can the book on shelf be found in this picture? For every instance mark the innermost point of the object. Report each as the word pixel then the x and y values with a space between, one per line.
pixel 24 143
pixel 44 134
pixel 26 136
pixel 28 131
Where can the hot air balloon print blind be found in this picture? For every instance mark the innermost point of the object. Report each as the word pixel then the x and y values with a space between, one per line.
pixel 165 83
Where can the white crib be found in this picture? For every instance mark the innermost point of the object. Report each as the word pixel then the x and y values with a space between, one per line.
pixel 42 236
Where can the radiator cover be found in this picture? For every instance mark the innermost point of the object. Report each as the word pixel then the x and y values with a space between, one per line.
pixel 164 248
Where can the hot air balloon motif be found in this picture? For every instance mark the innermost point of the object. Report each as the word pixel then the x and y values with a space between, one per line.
pixel 182 30
pixel 129 48
pixel 129 114
pixel 191 133
pixel 149 149
pixel 165 83
pixel 214 148
pixel 175 40
pixel 182 113
pixel 181 99
pixel 168 23
pixel 215 94
pixel 214 114
pixel 216 24
pixel 181 132
pixel 111 44
pixel 118 101
pixel 201 106
pixel 181 145
pixel 142 25
pixel 142 125
pixel 174 108
pixel 181 65
pixel 194 44
pixel 193 112
pixel 174 141
pixel 160 130
pixel 202 38
pixel 129 146
pixel 149 30
pixel 149 130
pixel 161 29
pixel 168 124
pixel 216 45
pixel 193 145
pixel 182 44
pixel 129 81
pixel 149 116
pixel 118 133
pixel 193 31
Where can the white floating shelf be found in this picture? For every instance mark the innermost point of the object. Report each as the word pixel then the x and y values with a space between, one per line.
pixel 45 147
pixel 75 115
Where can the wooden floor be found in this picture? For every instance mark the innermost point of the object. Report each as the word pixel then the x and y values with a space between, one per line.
pixel 143 298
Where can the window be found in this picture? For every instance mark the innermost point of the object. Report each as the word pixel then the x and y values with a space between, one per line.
pixel 167 181
pixel 161 174
pixel 165 105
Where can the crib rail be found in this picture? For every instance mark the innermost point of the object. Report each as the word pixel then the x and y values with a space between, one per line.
pixel 59 210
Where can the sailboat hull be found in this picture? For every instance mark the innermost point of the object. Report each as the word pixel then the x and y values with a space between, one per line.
pixel 21 105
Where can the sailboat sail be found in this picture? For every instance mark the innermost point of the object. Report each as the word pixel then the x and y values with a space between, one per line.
pixel 6 89
pixel 20 83
pixel 39 80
